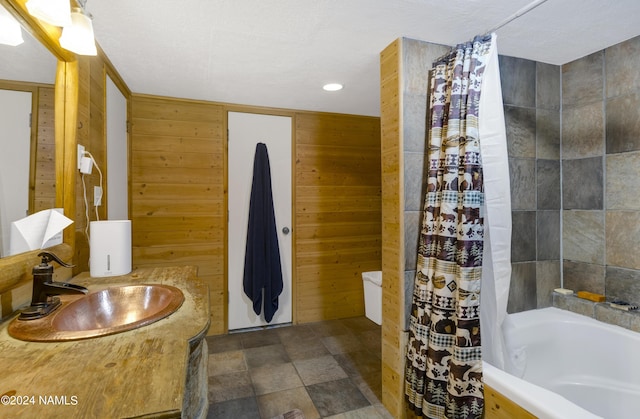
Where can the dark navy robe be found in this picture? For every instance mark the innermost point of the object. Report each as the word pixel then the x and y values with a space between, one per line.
pixel 262 269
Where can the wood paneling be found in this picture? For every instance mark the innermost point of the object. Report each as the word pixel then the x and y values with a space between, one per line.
pixel 497 406
pixel 90 132
pixel 92 135
pixel 392 230
pixel 44 182
pixel 337 213
pixel 178 205
pixel 179 202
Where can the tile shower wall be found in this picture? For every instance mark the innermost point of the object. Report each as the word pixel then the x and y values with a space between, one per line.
pixel 600 166
pixel 599 206
pixel 417 57
pixel 531 99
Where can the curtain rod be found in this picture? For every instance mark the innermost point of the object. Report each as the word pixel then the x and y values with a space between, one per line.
pixel 526 9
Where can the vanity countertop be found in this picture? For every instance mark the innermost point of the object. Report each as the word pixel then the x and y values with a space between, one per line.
pixel 141 372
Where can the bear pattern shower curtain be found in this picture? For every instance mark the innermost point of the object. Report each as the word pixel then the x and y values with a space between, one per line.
pixel 443 373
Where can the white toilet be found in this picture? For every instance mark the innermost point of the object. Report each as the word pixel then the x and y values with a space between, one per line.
pixel 372 282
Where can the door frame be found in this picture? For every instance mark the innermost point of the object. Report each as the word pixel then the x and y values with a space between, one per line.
pixel 263 111
pixel 34 89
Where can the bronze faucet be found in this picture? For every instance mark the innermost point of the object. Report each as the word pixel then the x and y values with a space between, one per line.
pixel 43 300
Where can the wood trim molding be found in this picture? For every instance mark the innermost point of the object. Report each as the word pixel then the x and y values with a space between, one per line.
pixel 31 88
pixel 113 74
pixel 66 148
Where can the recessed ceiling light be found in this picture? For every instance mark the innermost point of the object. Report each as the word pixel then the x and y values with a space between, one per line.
pixel 332 87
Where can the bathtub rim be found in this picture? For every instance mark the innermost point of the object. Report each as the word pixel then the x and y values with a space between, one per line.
pixel 548 405
pixel 535 399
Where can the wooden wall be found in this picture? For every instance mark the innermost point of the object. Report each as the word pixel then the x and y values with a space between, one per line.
pixel 44 185
pixel 337 213
pixel 392 231
pixel 179 201
pixel 497 406
pixel 91 133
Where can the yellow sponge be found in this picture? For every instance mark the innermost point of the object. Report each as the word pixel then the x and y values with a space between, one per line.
pixel 598 298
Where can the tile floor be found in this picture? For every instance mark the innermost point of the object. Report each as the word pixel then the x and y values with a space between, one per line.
pixel 328 369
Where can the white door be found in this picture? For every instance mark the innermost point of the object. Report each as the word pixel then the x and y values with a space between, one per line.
pixel 245 131
pixel 117 154
pixel 15 143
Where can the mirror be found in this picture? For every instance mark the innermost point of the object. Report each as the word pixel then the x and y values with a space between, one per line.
pixel 27 132
pixel 14 289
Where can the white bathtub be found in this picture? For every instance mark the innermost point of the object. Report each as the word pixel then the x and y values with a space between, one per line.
pixel 569 366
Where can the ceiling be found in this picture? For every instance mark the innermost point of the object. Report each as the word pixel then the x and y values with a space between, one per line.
pixel 279 53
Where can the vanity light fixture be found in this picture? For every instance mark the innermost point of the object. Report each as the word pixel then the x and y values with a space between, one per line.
pixel 78 36
pixel 332 87
pixel 54 12
pixel 10 31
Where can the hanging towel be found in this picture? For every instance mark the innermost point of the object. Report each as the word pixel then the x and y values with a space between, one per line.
pixel 262 269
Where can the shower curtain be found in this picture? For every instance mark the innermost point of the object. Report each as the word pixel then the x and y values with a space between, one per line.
pixel 443 373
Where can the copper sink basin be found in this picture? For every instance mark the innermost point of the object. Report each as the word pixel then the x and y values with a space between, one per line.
pixel 105 312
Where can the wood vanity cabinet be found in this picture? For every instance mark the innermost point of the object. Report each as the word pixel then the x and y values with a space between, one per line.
pixel 156 371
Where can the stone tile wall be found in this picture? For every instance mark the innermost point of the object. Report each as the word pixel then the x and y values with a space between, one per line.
pixel 531 97
pixel 417 57
pixel 599 311
pixel 600 169
pixel 598 99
